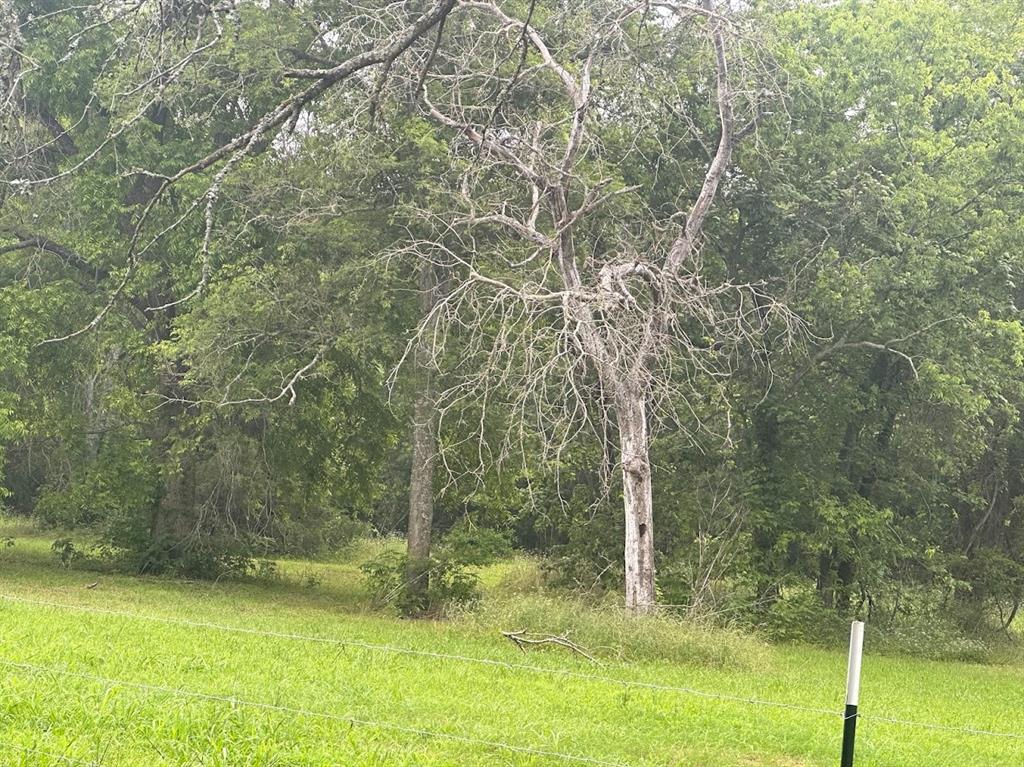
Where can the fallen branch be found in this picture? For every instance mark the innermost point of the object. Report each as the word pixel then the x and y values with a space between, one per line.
pixel 523 638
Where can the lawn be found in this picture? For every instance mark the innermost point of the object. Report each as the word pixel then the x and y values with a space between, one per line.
pixel 115 670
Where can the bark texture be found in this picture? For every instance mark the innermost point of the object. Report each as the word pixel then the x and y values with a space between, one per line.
pixel 424 450
pixel 637 501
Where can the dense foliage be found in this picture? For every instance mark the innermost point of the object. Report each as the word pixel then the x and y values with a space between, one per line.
pixel 873 468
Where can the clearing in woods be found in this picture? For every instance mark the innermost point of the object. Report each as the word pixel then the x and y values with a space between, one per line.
pixel 301 702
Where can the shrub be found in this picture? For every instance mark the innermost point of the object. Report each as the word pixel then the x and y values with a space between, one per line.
pixel 264 570
pixel 72 555
pixel 449 584
pixel 206 559
pixel 385 576
pixel 65 551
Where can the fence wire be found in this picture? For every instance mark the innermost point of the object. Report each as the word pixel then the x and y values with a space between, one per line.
pixel 493 662
pixel 943 727
pixel 295 711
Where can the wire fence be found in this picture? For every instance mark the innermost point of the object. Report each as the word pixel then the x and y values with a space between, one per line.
pixel 414 652
pixel 493 662
pixel 943 727
pixel 296 711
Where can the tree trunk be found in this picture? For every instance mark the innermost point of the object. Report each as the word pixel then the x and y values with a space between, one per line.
pixel 424 450
pixel 637 500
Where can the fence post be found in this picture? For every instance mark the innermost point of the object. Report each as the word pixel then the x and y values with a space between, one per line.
pixel 852 692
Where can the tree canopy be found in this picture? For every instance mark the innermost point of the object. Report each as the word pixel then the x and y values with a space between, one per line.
pixel 749 274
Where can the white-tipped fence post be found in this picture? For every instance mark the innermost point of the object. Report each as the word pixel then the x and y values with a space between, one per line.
pixel 852 692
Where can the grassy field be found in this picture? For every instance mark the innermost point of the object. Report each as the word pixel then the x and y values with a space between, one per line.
pixel 191 693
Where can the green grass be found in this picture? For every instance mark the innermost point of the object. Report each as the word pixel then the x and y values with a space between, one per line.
pixel 99 723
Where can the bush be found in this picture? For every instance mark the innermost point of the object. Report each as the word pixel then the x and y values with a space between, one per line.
pixel 207 559
pixel 449 584
pixel 65 551
pixel 71 555
pixel 264 570
pixel 385 576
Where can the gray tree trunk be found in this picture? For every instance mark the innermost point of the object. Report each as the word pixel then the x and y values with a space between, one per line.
pixel 634 443
pixel 424 450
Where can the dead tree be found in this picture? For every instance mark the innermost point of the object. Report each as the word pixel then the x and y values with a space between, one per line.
pixel 573 289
